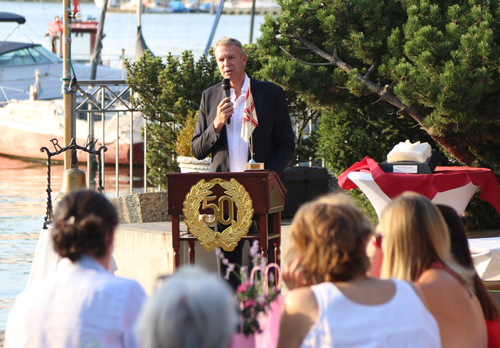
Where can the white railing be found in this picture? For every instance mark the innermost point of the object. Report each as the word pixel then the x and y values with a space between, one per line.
pixel 109 96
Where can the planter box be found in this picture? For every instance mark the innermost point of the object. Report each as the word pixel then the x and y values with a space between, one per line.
pixel 191 164
pixel 143 207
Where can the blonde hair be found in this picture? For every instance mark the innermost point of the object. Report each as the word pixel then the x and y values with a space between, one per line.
pixel 416 237
pixel 330 236
pixel 228 41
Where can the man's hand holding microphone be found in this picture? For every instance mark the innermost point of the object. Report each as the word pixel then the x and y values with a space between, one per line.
pixel 225 108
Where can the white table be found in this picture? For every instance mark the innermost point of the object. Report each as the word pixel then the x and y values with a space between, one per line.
pixel 486 256
pixel 457 198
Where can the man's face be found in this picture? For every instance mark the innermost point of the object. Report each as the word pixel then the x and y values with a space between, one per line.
pixel 230 62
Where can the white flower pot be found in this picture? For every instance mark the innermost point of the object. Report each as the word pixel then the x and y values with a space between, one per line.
pixel 191 164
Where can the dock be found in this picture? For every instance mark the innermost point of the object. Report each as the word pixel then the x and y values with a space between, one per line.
pixel 232 11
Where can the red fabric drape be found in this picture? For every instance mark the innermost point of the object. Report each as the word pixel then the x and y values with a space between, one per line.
pixel 443 179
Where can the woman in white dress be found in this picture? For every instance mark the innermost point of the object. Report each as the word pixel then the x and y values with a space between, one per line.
pixel 333 303
pixel 81 304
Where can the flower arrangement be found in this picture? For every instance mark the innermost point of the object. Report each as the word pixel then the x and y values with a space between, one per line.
pixel 258 289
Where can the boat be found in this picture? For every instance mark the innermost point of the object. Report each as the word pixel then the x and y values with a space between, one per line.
pixel 32 112
pixel 245 6
pixel 29 125
pixel 153 6
pixel 29 64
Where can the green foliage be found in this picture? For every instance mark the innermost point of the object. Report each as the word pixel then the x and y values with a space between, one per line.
pixel 168 92
pixel 347 134
pixel 302 114
pixel 353 61
pixel 481 215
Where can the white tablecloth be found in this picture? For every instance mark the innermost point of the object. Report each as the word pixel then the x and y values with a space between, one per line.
pixel 46 260
pixel 457 198
pixel 486 256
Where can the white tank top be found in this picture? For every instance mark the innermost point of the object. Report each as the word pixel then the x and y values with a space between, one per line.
pixel 402 322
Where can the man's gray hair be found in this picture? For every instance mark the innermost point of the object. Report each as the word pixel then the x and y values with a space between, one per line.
pixel 190 309
pixel 228 41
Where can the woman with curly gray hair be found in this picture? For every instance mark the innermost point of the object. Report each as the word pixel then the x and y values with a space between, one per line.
pixel 191 309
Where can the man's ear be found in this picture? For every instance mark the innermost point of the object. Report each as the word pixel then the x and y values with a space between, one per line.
pixel 244 59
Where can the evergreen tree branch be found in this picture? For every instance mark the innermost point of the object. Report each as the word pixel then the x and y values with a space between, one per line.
pixel 303 61
pixel 385 94
pixel 454 147
pixel 371 70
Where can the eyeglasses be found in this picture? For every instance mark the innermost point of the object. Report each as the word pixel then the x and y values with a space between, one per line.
pixel 378 240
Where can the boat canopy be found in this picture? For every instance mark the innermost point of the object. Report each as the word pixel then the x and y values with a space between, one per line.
pixel 11 17
pixel 9 46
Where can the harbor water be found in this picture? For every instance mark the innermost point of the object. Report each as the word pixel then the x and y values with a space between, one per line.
pixel 163 33
pixel 23 184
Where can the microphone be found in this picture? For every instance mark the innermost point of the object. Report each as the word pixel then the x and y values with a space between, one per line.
pixel 226 88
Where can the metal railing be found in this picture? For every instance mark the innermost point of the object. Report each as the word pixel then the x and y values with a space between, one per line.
pixel 101 97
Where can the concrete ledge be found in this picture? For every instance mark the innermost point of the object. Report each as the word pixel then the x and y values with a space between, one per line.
pixel 144 252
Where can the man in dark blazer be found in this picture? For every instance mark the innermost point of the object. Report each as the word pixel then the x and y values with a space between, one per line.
pixel 273 138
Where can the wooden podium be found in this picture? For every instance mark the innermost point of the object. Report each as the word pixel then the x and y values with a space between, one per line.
pixel 264 187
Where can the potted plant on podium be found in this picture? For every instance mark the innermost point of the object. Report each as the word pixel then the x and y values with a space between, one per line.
pixel 187 163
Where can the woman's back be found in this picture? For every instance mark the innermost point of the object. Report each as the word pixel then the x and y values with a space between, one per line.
pixel 402 321
pixel 79 305
pixel 457 311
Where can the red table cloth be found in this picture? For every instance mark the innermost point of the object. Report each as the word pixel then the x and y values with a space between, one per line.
pixel 443 179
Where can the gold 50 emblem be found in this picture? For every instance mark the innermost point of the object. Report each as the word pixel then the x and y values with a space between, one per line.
pixel 200 194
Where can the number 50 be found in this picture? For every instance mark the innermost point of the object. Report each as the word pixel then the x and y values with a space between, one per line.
pixel 218 210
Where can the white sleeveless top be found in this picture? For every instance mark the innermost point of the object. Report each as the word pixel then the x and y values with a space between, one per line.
pixel 403 321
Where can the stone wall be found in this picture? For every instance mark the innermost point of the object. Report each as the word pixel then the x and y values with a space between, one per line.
pixel 143 207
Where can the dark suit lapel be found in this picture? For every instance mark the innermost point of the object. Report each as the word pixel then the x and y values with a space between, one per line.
pixel 258 90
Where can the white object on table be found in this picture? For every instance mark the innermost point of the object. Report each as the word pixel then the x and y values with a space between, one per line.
pixel 457 198
pixel 485 253
pixel 46 260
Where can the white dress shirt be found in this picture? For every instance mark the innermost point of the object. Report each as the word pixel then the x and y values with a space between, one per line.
pixel 237 148
pixel 80 305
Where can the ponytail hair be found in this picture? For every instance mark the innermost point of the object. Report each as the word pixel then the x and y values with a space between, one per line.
pixel 83 223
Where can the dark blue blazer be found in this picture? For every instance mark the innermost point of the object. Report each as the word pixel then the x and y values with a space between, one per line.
pixel 274 140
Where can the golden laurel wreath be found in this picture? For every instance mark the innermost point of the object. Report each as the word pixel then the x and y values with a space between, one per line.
pixel 229 238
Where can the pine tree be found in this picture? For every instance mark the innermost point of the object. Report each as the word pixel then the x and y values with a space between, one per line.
pixel 427 68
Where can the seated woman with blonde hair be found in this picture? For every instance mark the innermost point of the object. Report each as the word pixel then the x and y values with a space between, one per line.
pixel 344 307
pixel 416 247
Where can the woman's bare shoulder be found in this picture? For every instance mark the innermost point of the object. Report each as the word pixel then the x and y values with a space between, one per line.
pixel 435 278
pixel 300 300
pixel 438 285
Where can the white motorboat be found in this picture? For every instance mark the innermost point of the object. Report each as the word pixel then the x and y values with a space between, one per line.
pixel 29 125
pixel 19 62
pixel 28 64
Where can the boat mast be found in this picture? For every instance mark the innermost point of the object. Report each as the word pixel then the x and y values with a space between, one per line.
pixel 140 43
pixel 252 16
pixel 98 41
pixel 214 27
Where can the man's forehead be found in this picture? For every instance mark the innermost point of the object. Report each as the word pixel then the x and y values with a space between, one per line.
pixel 218 49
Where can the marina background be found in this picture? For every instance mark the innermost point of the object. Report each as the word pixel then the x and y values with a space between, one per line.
pixel 23 183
